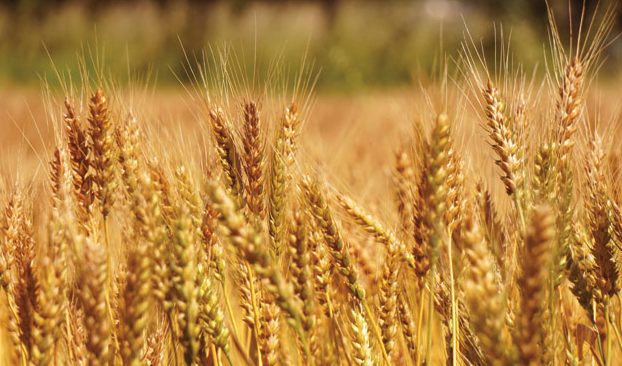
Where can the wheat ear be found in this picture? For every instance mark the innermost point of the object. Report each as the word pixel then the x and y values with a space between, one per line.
pixel 282 159
pixel 101 133
pixel 80 162
pixel 226 150
pixel 569 105
pixel 184 271
pixel 211 317
pixel 323 217
pixel 484 295
pixel 505 146
pixel 19 241
pixel 254 160
pixel 250 246
pixel 92 297
pixel 540 234
pixel 301 272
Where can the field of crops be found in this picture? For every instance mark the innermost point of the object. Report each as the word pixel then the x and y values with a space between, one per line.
pixel 241 219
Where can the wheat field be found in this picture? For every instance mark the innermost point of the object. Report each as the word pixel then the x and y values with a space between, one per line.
pixel 473 220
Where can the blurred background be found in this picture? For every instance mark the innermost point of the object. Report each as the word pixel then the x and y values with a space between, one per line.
pixel 355 45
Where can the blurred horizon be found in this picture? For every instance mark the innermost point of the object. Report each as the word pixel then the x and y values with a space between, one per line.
pixel 357 45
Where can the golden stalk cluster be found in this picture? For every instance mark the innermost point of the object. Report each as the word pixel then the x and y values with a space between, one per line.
pixel 265 263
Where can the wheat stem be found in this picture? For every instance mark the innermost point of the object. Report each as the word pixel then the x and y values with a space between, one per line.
pixel 419 322
pixel 376 331
pixel 256 322
pixel 432 284
pixel 454 318
pixel 228 356
pixel 109 285
pixel 229 310
pixel 607 312
pixel 173 338
pixel 617 332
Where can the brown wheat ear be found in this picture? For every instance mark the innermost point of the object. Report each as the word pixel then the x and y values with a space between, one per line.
pixel 80 161
pixel 102 132
pixel 505 145
pixel 19 241
pixel 606 270
pixel 227 152
pixel 254 160
pixel 56 177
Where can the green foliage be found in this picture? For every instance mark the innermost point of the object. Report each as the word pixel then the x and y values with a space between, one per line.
pixel 356 45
